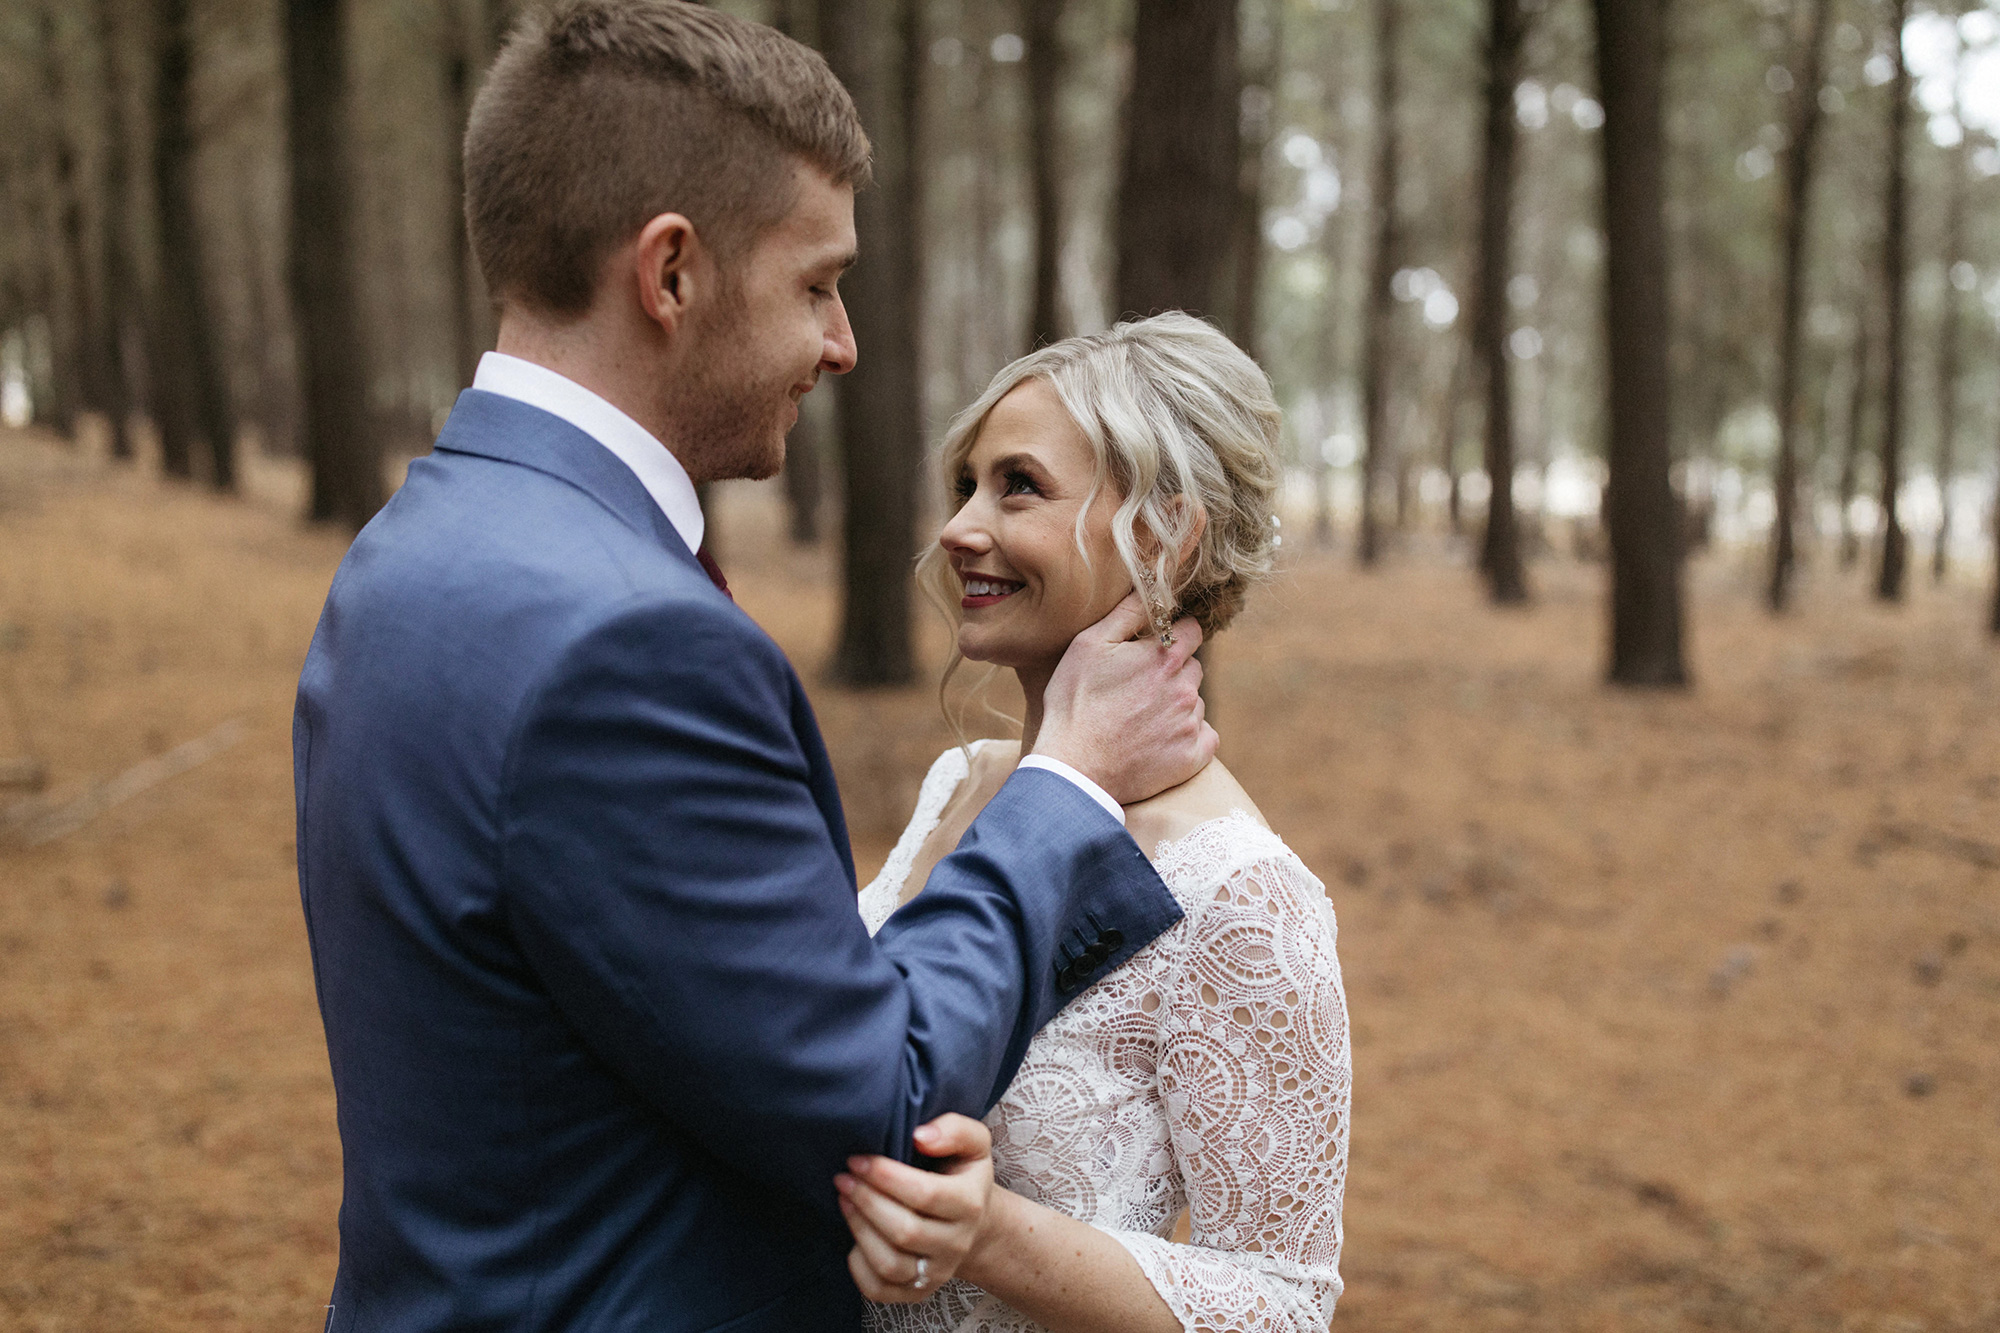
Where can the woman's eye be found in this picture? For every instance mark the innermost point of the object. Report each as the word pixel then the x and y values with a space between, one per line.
pixel 1019 483
pixel 963 489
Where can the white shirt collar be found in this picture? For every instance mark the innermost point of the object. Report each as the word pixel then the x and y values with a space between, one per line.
pixel 631 443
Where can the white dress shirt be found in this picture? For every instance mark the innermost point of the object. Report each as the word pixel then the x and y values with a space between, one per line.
pixel 631 443
pixel 662 475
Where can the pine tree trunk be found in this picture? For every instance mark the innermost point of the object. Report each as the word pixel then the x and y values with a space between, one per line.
pixel 1791 344
pixel 1993 622
pixel 1639 506
pixel 1448 419
pixel 1043 19
pixel 1380 305
pixel 169 389
pixel 116 312
pixel 1947 373
pixel 804 478
pixel 1894 560
pixel 1850 456
pixel 274 397
pixel 1500 554
pixel 77 331
pixel 1948 335
pixel 879 405
pixel 342 452
pixel 189 344
pixel 1256 100
pixel 465 54
pixel 1178 183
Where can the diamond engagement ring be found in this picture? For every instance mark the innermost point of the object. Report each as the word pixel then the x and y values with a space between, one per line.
pixel 923 1277
pixel 1166 638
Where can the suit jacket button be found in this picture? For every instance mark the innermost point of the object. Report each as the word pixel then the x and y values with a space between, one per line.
pixel 1066 981
pixel 1111 939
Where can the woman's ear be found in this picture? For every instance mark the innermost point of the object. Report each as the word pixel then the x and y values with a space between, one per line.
pixel 1179 505
pixel 1195 530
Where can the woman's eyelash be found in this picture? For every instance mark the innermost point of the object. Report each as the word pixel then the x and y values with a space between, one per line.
pixel 1011 483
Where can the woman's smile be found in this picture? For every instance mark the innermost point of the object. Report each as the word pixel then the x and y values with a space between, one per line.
pixel 985 590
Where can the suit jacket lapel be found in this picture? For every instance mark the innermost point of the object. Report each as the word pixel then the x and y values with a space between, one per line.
pixel 491 425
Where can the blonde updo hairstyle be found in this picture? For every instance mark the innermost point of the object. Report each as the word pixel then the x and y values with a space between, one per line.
pixel 1184 427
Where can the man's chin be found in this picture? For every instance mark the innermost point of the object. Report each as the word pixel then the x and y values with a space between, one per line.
pixel 759 461
pixel 768 461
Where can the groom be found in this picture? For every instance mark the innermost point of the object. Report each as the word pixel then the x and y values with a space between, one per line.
pixel 603 1019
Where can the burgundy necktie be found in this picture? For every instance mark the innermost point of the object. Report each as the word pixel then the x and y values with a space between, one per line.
pixel 714 572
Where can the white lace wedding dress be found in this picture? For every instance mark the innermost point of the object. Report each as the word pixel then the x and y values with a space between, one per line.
pixel 1209 1073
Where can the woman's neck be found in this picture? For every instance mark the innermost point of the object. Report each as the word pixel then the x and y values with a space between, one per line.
pixel 1034 684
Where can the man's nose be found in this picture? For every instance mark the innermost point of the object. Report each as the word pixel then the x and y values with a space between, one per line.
pixel 837 352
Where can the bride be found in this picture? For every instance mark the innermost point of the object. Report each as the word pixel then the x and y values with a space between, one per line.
pixel 1210 1073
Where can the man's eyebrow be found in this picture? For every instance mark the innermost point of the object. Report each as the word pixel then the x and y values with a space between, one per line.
pixel 841 263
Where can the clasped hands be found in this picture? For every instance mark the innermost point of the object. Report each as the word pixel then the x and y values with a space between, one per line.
pixel 912 1226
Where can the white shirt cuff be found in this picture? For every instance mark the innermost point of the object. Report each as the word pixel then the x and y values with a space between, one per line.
pixel 1090 789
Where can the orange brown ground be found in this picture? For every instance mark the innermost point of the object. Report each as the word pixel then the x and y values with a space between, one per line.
pixel 1670 1012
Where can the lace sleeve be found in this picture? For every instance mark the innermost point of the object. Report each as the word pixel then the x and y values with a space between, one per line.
pixel 1255 1070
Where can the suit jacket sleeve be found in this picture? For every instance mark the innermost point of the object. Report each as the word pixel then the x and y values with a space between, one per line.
pixel 675 887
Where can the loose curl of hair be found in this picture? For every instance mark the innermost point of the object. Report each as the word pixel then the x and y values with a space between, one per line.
pixel 1184 429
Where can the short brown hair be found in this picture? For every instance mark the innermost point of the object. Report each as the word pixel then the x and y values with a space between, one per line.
pixel 602 114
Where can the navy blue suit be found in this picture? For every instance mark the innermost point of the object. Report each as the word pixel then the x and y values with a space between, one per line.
pixel 603 1019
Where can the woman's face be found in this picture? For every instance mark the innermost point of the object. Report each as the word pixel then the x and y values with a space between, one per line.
pixel 1026 590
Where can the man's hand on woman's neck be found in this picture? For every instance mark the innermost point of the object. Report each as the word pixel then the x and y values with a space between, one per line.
pixel 1124 709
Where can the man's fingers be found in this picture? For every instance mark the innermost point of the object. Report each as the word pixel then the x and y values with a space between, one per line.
pixel 1128 620
pixel 1208 743
pixel 1187 638
pixel 1191 670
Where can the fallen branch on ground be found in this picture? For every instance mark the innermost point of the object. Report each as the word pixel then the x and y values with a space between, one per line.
pixel 1982 854
pixel 33 823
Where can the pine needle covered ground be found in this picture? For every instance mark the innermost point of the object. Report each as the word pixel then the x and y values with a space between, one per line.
pixel 1669 1012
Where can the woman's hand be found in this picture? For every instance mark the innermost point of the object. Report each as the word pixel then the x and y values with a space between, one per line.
pixel 913 1229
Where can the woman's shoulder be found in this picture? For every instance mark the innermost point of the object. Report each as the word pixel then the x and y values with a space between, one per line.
pixel 975 771
pixel 1212 794
pixel 993 760
pixel 1221 859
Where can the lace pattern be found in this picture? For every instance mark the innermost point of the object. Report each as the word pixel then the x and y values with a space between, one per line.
pixel 1210 1073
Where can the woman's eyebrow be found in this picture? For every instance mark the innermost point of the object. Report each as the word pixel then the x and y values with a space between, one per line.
pixel 1020 462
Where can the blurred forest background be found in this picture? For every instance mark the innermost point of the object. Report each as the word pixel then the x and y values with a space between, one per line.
pixel 1715 270
pixel 1655 341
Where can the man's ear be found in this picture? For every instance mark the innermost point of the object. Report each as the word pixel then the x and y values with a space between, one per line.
pixel 668 269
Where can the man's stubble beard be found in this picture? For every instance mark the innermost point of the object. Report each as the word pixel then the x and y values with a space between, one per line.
pixel 727 428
